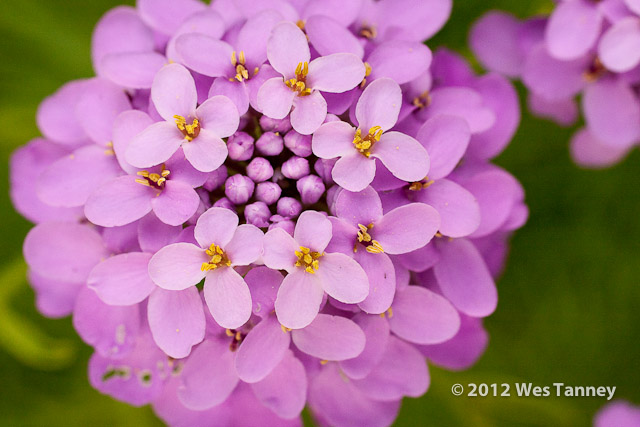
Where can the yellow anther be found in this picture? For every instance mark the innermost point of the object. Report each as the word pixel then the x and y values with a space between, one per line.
pixel 389 312
pixel 375 247
pixel 153 180
pixel 595 71
pixel 218 258
pixel 324 362
pixel 241 58
pixel 234 60
pixel 308 259
pixel 285 329
pixel 300 24
pixel 367 73
pixel 364 144
pixel 189 131
pixel 229 332
pixel 368 31
pixel 421 185
pixel 439 234
pixel 299 83
pixel 363 234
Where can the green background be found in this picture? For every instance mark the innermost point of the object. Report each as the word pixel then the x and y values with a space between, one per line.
pixel 569 298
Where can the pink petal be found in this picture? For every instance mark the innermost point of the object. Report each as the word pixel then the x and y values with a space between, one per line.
pixel 284 390
pixel 122 279
pixel 286 48
pixel 119 202
pixel 176 204
pixel 458 208
pixel 376 330
pixel 333 139
pixel 402 155
pixel 379 105
pixel 207 152
pixel 154 234
pixel 56 117
pixel 253 37
pixel 208 376
pixel 328 36
pixel 494 41
pixel 313 231
pixel 402 61
pixel 262 350
pixel 246 245
pixel 446 139
pixel 402 372
pixel 343 278
pixel 299 299
pixel 590 152
pixel 406 228
pixel 227 297
pixel 465 279
pixel 382 281
pixel 176 320
pixel 216 225
pixel 279 250
pixel 336 73
pixel 62 251
pixel 619 48
pixel 612 112
pixel 205 55
pixel 237 92
pixel 69 181
pixel 363 207
pixel 132 69
pixel 174 92
pixel 263 284
pixel 354 171
pixel 98 107
pixel 154 145
pixel 126 126
pixel 275 98
pixel 178 266
pixel 166 16
pixel 219 115
pixel 573 29
pixel 330 338
pixel 423 317
pixel 461 101
pixel 308 113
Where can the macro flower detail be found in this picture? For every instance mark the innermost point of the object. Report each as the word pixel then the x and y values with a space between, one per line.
pixel 262 206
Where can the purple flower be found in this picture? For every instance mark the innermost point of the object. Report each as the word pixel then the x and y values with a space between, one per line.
pixel 223 245
pixel 197 131
pixel 618 413
pixel 377 112
pixel 311 271
pixel 302 81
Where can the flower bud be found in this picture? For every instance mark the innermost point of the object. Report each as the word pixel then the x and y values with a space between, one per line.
pixel 268 192
pixel 323 168
pixel 273 125
pixel 240 146
pixel 259 169
pixel 224 203
pixel 239 188
pixel 216 178
pixel 332 195
pixel 300 145
pixel 258 214
pixel 295 167
pixel 288 207
pixel 310 188
pixel 279 222
pixel 270 144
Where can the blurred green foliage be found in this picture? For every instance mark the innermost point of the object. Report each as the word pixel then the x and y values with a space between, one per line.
pixel 569 297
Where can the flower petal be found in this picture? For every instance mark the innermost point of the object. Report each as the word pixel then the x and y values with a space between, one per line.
pixel 228 297
pixel 330 338
pixel 218 115
pixel 279 250
pixel 176 204
pixel 343 278
pixel 406 228
pixel 174 92
pixel 379 105
pixel 205 55
pixel 402 155
pixel 333 139
pixel 363 207
pixel 119 202
pixel 154 145
pixel 177 266
pixel 446 139
pixel 176 320
pixel 245 246
pixel 328 36
pixel 402 61
pixel 207 152
pixel 573 29
pixel 335 73
pixel 313 231
pixel 122 279
pixel 382 281
pixel 216 225
pixel 286 48
pixel 275 98
pixel 308 113
pixel 299 299
pixel 132 69
pixel 354 171
pixel 376 330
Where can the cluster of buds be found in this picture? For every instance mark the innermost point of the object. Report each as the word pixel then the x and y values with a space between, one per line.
pixel 586 49
pixel 261 205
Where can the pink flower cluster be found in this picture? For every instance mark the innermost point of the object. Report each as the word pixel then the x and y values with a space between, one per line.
pixel 585 48
pixel 259 205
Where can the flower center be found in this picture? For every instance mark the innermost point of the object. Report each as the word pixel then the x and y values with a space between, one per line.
pixel 218 258
pixel 299 83
pixel 189 131
pixel 237 337
pixel 364 144
pixel 368 32
pixel 240 63
pixel 308 259
pixel 153 180
pixel 421 185
pixel 595 71
pixel 373 246
pixel 423 100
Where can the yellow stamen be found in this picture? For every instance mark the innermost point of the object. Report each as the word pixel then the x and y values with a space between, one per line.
pixel 364 144
pixel 373 246
pixel 299 82
pixel 421 185
pixel 300 24
pixel 285 329
pixel 423 100
pixel 189 131
pixel 153 180
pixel 324 362
pixel 218 259
pixel 308 259
pixel 367 73
pixel 368 31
